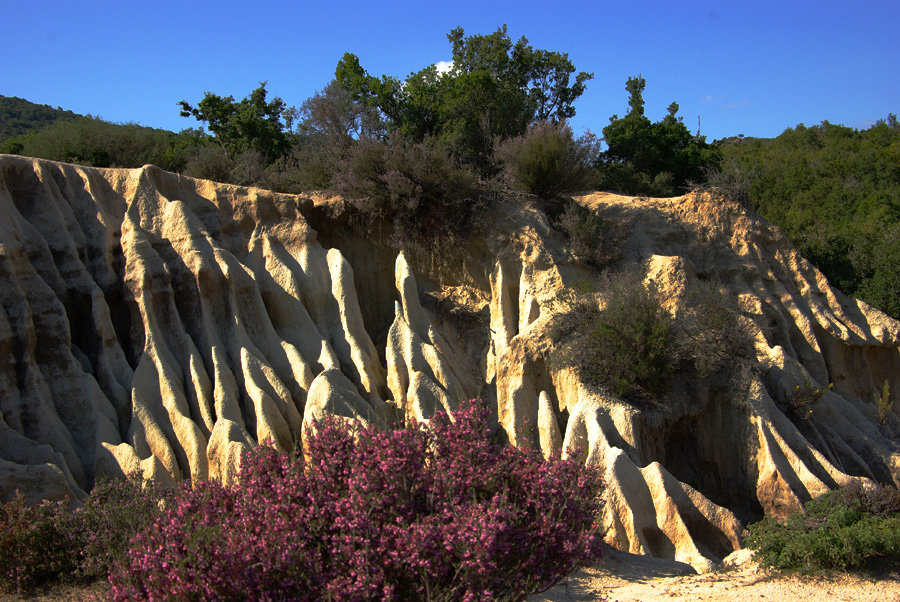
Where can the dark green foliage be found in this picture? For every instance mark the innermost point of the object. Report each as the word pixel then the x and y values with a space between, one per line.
pixel 47 542
pixel 853 528
pixel 98 143
pixel 251 124
pixel 330 124
pixel 625 348
pixel 413 186
pixel 495 89
pixel 835 192
pixel 35 546
pixel 653 159
pixel 18 116
pixel 591 238
pixel 548 160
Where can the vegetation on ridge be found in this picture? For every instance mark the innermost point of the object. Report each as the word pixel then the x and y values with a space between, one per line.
pixel 497 119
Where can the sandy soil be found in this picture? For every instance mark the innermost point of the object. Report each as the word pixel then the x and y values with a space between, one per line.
pixel 622 577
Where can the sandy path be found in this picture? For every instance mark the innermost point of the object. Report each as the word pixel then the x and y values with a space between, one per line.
pixel 624 577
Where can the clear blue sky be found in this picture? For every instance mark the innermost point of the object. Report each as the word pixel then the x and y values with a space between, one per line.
pixel 752 67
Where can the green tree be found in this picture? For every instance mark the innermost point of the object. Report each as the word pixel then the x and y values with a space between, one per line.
pixel 251 124
pixel 660 158
pixel 495 89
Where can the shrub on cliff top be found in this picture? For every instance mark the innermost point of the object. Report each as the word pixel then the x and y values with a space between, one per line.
pixel 431 513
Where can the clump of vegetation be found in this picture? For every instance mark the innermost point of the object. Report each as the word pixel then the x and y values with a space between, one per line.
pixel 851 529
pixel 885 403
pixel 834 191
pixel 625 348
pixel 804 397
pixel 496 87
pixel 416 187
pixel 710 334
pixel 592 239
pixel 653 159
pixel 632 346
pixel 548 160
pixel 435 513
pixel 18 116
pixel 46 542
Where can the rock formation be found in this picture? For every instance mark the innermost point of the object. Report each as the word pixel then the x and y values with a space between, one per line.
pixel 157 323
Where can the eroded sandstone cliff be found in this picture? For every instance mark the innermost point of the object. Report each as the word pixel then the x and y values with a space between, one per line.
pixel 162 324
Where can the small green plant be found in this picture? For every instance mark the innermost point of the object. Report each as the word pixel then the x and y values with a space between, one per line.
pixel 853 529
pixel 805 396
pixel 884 403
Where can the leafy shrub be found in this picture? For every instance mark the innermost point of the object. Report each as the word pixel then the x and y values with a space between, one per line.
pixel 548 160
pixel 415 187
pixel 847 529
pixel 36 544
pixel 114 512
pixel 625 348
pixel 431 513
pixel 210 162
pixel 728 181
pixel 710 334
pixel 591 238
pixel 46 542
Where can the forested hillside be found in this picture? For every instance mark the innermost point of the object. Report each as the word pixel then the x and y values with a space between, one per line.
pixel 835 191
pixel 18 116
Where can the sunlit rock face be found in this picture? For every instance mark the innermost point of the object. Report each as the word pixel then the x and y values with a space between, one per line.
pixel 159 324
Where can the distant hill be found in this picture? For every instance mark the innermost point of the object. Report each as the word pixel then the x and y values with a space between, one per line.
pixel 18 116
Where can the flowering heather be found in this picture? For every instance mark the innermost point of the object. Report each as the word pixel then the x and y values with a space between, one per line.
pixel 432 513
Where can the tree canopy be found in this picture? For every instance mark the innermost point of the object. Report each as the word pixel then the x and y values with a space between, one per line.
pixel 659 159
pixel 835 191
pixel 253 123
pixel 493 91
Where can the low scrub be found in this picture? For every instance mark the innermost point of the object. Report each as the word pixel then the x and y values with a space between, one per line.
pixel 46 542
pixel 548 160
pixel 592 239
pixel 625 348
pixel 632 346
pixel 415 188
pixel 855 528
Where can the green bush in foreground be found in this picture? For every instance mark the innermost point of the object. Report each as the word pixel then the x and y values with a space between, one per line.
pixel 853 528
pixel 46 542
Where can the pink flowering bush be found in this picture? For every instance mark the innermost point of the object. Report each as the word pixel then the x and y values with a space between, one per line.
pixel 432 513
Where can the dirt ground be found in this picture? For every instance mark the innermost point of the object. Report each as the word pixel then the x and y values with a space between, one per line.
pixel 622 577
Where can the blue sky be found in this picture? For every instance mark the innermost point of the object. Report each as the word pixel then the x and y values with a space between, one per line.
pixel 752 67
